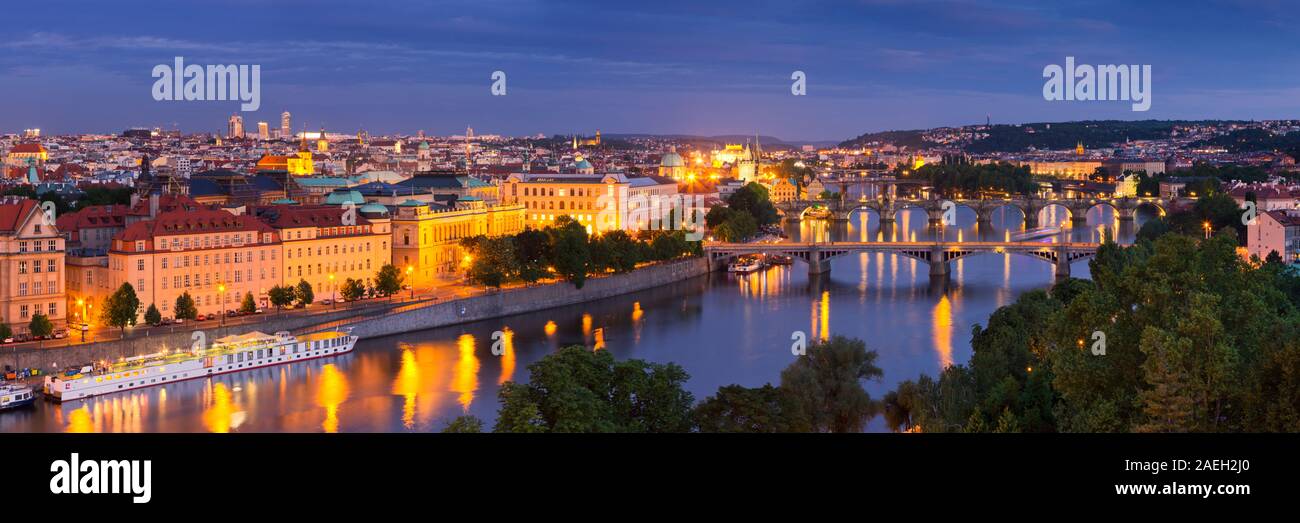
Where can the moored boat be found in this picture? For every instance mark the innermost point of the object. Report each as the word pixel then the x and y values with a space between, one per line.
pixel 229 354
pixel 15 396
pixel 745 264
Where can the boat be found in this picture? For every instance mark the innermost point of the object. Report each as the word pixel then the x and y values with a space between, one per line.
pixel 229 354
pixel 779 259
pixel 745 264
pixel 15 396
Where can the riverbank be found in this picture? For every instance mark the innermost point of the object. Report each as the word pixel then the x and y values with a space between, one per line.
pixel 373 321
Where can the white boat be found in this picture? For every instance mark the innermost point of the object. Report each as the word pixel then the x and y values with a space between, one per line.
pixel 229 354
pixel 14 396
pixel 746 264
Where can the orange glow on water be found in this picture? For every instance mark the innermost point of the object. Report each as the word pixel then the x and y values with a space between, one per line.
pixel 507 355
pixel 407 385
pixel 550 328
pixel 330 393
pixel 464 378
pixel 942 322
pixel 217 417
pixel 79 421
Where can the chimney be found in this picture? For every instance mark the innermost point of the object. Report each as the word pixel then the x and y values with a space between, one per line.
pixel 153 205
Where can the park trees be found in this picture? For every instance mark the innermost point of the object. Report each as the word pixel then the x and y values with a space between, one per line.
pixel 185 307
pixel 121 308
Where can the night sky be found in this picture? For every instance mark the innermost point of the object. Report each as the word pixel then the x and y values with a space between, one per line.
pixel 665 66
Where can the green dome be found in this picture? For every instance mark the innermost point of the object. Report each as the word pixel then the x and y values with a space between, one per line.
pixel 373 208
pixel 672 159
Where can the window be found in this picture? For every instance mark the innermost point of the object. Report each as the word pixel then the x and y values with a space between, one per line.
pixel 139 265
pixel 22 246
pixel 22 289
pixel 22 312
pixel 54 309
pixel 22 267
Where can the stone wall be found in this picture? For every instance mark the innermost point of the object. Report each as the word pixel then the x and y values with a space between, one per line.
pixel 372 321
pixel 523 300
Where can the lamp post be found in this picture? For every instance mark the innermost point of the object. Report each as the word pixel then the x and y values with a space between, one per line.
pixel 1206 226
pixel 84 320
pixel 333 302
pixel 221 287
pixel 410 283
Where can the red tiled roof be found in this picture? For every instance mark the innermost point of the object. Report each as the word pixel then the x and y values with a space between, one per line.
pixel 93 216
pixel 1285 218
pixel 13 214
pixel 197 221
pixel 289 216
pixel 166 203
pixel 27 148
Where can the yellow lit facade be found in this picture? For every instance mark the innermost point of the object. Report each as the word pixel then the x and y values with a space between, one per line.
pixel 319 242
pixel 31 266
pixel 547 197
pixel 426 238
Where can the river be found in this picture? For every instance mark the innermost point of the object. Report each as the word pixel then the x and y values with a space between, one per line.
pixel 721 328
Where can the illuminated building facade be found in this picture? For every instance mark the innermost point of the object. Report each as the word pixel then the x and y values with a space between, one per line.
pixel 426 237
pixel 200 251
pixel 546 197
pixel 327 240
pixel 31 266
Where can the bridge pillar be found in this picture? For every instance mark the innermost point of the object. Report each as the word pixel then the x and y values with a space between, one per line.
pixel 1126 214
pixel 984 215
pixel 1079 219
pixel 936 216
pixel 887 213
pixel 938 266
pixel 1062 264
pixel 817 265
pixel 1031 215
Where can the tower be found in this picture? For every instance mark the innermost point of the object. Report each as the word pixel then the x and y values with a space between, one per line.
pixel 286 130
pixel 1078 149
pixel 322 145
pixel 235 127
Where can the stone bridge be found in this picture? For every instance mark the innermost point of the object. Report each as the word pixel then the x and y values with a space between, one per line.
pixel 1029 206
pixel 818 255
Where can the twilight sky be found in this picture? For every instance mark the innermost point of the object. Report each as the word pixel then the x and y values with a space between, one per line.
pixel 667 66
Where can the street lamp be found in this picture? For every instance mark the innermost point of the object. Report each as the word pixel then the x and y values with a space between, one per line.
pixel 221 287
pixel 410 283
pixel 1206 226
pixel 85 322
pixel 333 301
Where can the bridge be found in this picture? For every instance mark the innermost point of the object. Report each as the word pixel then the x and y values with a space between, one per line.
pixel 818 255
pixel 1029 206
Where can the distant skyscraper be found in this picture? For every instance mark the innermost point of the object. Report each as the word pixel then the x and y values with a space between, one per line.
pixel 284 125
pixel 263 131
pixel 236 127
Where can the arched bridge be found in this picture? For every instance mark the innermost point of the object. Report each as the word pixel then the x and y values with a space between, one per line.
pixel 887 209
pixel 937 254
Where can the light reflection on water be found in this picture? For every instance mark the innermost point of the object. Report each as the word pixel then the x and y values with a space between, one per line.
pixel 722 329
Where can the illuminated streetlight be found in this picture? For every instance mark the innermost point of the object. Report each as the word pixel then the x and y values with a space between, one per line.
pixel 409 282
pixel 333 301
pixel 221 287
pixel 1206 226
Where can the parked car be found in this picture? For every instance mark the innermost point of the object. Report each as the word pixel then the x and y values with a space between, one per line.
pixel 327 301
pixel 60 334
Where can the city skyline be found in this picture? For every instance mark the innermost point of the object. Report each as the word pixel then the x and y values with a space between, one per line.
pixel 674 68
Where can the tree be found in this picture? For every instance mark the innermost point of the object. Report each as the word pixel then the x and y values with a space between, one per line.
pixel 248 305
pixel 121 308
pixel 823 388
pixel 622 251
pixel 753 199
pixel 570 253
pixel 464 425
pixel 5 331
pixel 493 262
pixel 281 296
pixel 580 390
pixel 388 280
pixel 40 325
pixel 304 293
pixel 185 307
pixel 739 409
pixel 152 316
pixel 533 252
pixel 352 290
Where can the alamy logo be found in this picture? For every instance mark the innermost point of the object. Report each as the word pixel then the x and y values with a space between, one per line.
pixel 653 212
pixel 1102 82
pixel 102 477
pixel 212 83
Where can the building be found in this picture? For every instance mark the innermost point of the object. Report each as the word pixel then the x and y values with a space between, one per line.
pixel 1070 170
pixel 214 255
pixel 31 262
pixel 235 127
pixel 300 164
pixel 263 131
pixel 546 197
pixel 24 154
pixel 326 245
pixel 426 237
pixel 783 190
pixel 1118 167
pixel 671 165
pixel 1275 231
pixel 454 183
pixel 285 127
